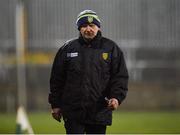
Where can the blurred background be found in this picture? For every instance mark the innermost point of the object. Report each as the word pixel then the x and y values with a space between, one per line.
pixel 148 31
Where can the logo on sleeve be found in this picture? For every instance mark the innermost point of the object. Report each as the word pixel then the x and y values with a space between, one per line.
pixel 75 54
pixel 105 56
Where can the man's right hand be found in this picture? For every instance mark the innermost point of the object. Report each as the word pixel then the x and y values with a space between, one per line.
pixel 56 114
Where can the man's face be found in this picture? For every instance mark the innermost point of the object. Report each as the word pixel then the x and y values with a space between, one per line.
pixel 89 31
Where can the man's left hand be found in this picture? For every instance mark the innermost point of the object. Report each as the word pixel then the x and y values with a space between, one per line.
pixel 113 104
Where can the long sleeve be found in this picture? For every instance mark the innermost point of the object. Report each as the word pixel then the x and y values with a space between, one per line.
pixel 57 79
pixel 119 76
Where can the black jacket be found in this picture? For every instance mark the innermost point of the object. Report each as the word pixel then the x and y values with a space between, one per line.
pixel 83 74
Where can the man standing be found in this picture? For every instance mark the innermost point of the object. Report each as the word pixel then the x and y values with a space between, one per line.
pixel 89 79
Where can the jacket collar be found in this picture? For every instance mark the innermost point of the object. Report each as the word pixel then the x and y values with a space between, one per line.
pixel 95 42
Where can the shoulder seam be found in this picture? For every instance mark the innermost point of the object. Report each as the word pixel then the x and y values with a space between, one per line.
pixel 68 42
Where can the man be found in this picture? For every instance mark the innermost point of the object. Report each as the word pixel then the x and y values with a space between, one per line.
pixel 89 79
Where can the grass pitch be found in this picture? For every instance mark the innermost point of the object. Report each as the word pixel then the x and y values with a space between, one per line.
pixel 123 122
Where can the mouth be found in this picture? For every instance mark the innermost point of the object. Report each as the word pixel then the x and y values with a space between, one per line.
pixel 89 34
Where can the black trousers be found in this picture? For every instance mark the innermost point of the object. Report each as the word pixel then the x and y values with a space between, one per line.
pixel 74 127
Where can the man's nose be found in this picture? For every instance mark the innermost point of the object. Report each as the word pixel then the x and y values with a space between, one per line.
pixel 88 27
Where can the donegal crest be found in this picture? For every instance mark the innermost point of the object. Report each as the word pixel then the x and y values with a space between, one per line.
pixel 105 56
pixel 90 19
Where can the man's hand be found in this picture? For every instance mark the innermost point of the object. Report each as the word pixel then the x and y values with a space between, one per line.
pixel 113 103
pixel 56 114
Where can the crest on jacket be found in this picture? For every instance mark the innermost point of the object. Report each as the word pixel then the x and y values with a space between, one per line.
pixel 105 56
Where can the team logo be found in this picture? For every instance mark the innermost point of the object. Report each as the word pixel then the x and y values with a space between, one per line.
pixel 90 19
pixel 105 56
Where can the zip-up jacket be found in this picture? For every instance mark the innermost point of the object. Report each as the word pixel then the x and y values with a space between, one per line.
pixel 83 75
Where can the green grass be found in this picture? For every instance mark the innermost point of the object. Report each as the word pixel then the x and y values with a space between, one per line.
pixel 146 122
pixel 123 122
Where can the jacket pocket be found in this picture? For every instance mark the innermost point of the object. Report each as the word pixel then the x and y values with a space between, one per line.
pixel 104 116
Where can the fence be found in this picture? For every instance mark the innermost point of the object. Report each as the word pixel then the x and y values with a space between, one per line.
pixel 147 31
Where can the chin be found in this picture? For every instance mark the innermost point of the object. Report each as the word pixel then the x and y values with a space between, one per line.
pixel 89 37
